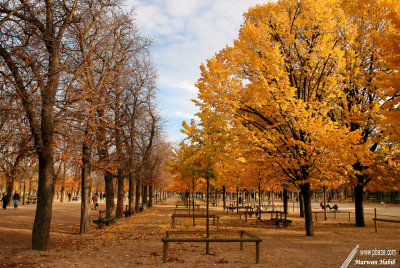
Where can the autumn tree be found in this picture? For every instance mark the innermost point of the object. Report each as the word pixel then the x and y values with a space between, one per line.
pixel 157 162
pixel 281 82
pixel 185 174
pixel 31 50
pixel 15 141
pixel 88 36
pixel 365 96
pixel 207 142
pixel 390 78
pixel 140 84
pixel 390 81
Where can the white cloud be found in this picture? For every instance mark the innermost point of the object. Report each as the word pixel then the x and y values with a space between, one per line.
pixel 179 8
pixel 187 86
pixel 187 116
pixel 187 33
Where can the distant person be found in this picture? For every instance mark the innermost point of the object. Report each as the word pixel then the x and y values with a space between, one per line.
pixel 69 197
pixel 4 199
pixel 95 199
pixel 325 207
pixel 16 199
pixel 240 200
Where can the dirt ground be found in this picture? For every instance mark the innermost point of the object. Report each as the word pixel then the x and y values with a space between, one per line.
pixel 136 241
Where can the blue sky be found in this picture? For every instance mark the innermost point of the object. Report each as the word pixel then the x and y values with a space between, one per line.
pixel 186 33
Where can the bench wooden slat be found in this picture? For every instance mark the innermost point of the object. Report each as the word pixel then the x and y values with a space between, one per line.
pixel 386 220
pixel 196 216
pixel 169 239
pixel 244 237
pixel 102 221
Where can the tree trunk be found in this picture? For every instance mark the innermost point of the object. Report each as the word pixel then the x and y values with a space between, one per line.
pixel 131 193
pixel 86 189
pixel 301 202
pixel 65 175
pixel 10 188
pixel 285 201
pixel 359 198
pixel 207 216
pixel 62 194
pixel 137 201
pixel 41 224
pixel 120 196
pixel 223 197
pixel 194 221
pixel 325 204
pixel 23 196
pixel 144 197
pixel 150 196
pixel 237 200
pixel 259 201
pixel 306 190
pixel 110 204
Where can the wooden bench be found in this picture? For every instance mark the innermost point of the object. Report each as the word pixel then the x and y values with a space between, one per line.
pixel 103 221
pixel 278 219
pixel 181 203
pixel 244 237
pixel 199 216
pixel 233 208
pixel 250 213
pixel 263 207
pixel 332 212
pixel 195 205
pixel 188 211
pixel 395 219
pixel 32 200
pixel 128 212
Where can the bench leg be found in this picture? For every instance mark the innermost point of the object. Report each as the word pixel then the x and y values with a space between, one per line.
pixel 241 242
pixel 173 222
pixel 257 252
pixel 207 248
pixel 165 251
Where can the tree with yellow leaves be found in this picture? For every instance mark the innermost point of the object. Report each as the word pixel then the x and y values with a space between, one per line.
pixel 366 98
pixel 391 80
pixel 207 141
pixel 279 84
pixel 185 173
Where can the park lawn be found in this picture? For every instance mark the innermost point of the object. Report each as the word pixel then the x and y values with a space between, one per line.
pixel 136 241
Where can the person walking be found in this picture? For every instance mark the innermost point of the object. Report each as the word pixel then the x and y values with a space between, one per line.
pixel 94 199
pixel 5 200
pixel 16 199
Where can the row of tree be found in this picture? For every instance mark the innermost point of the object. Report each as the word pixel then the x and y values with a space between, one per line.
pixel 307 97
pixel 77 92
